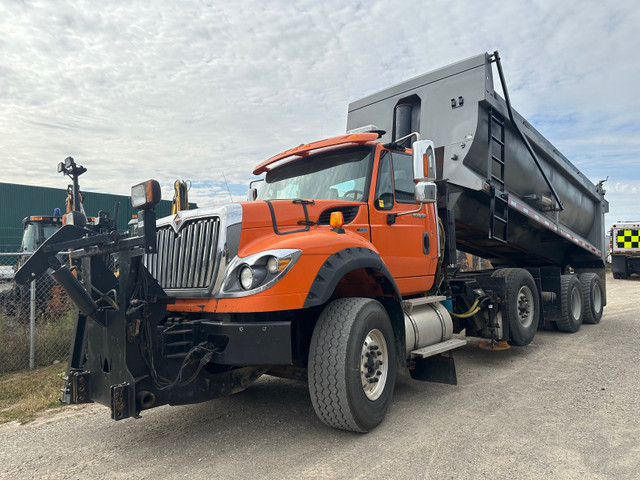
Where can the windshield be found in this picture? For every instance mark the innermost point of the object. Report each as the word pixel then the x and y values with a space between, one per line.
pixel 337 175
pixel 48 230
pixel 35 234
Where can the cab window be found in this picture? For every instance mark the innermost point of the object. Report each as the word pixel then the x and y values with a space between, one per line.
pixel 384 183
pixel 403 177
pixel 395 180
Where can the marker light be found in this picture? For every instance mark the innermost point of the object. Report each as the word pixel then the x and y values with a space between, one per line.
pixel 336 220
pixel 282 263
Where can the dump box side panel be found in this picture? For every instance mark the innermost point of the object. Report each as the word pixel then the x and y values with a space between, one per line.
pixel 453 106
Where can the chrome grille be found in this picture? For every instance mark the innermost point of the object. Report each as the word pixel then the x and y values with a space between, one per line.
pixel 186 259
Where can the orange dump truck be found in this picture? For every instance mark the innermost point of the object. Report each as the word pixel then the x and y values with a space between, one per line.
pixel 339 267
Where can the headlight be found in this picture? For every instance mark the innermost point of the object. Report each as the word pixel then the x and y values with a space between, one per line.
pixel 257 272
pixel 272 265
pixel 246 277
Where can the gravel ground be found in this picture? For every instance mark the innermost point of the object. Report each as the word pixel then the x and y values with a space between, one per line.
pixel 567 406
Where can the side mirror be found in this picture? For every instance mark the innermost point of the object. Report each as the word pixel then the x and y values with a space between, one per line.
pixel 252 193
pixel 424 161
pixel 426 192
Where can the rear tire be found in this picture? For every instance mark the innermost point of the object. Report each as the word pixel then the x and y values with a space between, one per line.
pixel 571 308
pixel 522 305
pixel 352 364
pixel 592 298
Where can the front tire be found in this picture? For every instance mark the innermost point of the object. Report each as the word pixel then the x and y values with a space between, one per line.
pixel 352 364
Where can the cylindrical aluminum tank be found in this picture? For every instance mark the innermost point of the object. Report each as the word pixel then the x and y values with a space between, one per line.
pixel 426 325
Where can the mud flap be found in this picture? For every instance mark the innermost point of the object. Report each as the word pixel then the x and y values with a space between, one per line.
pixel 437 368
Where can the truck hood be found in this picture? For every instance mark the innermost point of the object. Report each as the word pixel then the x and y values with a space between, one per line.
pixel 287 214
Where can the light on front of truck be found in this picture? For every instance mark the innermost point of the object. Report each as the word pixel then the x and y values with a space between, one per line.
pixel 246 277
pixel 145 195
pixel 257 272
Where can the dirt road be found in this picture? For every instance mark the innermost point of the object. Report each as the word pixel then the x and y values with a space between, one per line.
pixel 567 406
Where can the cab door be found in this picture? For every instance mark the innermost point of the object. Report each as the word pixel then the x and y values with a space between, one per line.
pixel 407 243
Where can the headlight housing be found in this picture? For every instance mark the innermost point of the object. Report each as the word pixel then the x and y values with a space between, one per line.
pixel 257 272
pixel 246 277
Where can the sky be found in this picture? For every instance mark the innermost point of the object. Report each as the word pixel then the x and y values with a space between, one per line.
pixel 206 90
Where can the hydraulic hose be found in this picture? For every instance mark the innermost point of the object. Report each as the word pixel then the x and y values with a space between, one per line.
pixel 469 313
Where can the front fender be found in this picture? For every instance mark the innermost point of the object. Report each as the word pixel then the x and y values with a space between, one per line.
pixel 338 265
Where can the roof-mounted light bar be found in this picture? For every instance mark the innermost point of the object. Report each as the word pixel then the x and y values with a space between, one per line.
pixel 367 129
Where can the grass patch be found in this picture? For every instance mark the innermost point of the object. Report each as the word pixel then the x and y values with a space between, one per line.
pixel 53 335
pixel 24 395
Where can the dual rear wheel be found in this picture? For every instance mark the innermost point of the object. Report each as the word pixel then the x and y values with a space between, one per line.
pixel 581 299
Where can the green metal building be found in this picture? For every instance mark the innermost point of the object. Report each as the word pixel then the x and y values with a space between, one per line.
pixel 20 201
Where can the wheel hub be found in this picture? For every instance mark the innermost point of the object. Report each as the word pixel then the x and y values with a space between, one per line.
pixel 525 306
pixel 374 364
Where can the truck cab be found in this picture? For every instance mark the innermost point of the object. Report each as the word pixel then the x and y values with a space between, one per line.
pixel 375 187
pixel 36 229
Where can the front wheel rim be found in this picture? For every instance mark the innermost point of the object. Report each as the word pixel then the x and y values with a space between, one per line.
pixel 374 364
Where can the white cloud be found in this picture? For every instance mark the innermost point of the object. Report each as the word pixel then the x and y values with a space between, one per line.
pixel 177 90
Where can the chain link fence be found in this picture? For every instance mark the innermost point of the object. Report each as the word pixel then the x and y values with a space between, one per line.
pixel 36 320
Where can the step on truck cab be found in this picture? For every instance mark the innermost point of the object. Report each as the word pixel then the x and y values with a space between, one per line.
pixel 338 268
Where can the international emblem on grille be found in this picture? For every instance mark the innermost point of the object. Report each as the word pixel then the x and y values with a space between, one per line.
pixel 176 222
